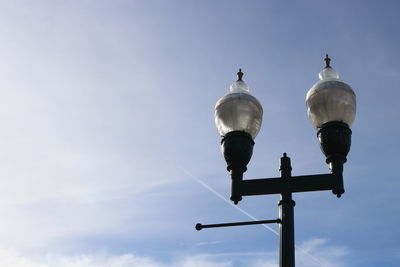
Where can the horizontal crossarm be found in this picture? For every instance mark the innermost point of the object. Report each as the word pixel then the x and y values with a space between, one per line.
pixel 294 184
pixel 200 226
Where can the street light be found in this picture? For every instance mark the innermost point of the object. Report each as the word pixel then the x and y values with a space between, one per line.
pixel 331 108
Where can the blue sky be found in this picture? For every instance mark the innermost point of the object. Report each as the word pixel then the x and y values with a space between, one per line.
pixel 109 155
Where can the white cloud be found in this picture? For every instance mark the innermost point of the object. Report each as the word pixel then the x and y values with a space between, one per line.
pixel 209 243
pixel 12 258
pixel 317 252
pixel 314 252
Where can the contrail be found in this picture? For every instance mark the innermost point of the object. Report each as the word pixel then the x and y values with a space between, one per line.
pixel 209 188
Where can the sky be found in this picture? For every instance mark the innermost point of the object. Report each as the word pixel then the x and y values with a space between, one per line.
pixel 109 154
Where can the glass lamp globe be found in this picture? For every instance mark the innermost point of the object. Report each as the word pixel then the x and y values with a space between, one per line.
pixel 330 99
pixel 238 110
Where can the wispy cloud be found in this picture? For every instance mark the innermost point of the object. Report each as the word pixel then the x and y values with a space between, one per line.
pixel 314 252
pixel 209 243
pixel 318 252
pixel 12 258
pixel 328 256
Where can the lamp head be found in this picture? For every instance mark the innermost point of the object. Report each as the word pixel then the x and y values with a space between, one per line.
pixel 331 108
pixel 330 99
pixel 238 118
pixel 238 110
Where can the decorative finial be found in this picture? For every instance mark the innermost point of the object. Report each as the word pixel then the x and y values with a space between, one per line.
pixel 240 75
pixel 327 61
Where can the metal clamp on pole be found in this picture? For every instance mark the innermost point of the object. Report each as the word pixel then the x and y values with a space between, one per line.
pixel 200 226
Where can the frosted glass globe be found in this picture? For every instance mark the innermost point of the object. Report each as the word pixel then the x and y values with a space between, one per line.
pixel 330 99
pixel 238 111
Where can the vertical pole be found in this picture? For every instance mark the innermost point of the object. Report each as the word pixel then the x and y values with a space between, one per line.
pixel 286 214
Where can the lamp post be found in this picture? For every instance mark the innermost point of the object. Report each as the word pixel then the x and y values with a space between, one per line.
pixel 331 108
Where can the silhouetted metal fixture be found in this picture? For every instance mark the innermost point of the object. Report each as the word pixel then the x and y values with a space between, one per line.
pixel 331 108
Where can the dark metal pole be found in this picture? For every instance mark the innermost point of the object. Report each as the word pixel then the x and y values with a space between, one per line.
pixel 286 215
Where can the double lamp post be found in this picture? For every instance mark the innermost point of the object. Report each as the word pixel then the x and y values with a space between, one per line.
pixel 331 108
